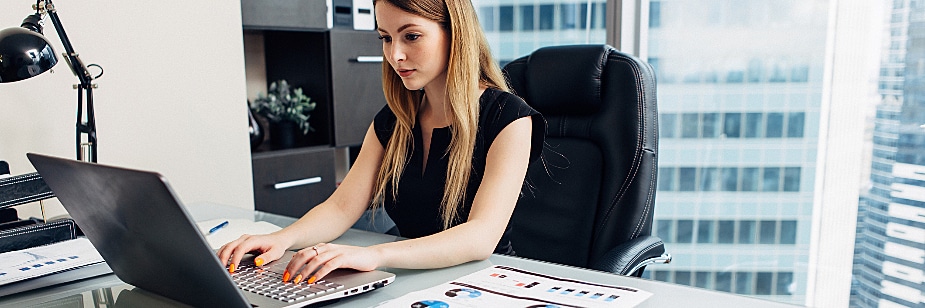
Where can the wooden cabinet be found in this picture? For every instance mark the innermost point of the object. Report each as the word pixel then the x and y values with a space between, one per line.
pixel 291 182
pixel 339 68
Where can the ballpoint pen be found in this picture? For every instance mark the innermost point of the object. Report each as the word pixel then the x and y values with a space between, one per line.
pixel 216 228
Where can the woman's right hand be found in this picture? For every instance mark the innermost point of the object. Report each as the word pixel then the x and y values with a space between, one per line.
pixel 268 248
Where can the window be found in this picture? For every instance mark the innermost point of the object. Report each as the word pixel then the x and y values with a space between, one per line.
pixel 683 278
pixel 666 179
pixel 775 125
pixel 711 125
pixel 764 283
pixel 668 125
pixel 792 178
pixel 744 283
pixel 568 14
pixel 662 275
pixel 750 179
pixel 703 280
pixel 767 232
pixel 726 233
pixel 709 179
pixel 705 231
pixel 753 125
pixel 723 281
pixel 730 179
pixel 770 179
pixel 795 124
pixel 732 124
pixel 685 231
pixel 688 178
pixel 740 125
pixel 784 284
pixel 487 18
pixel 506 18
pixel 547 16
pixel 664 230
pixel 526 18
pixel 788 232
pixel 690 125
pixel 746 232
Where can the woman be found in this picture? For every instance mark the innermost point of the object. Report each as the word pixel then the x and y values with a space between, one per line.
pixel 446 158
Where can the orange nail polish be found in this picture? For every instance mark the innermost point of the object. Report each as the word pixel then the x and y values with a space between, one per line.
pixel 297 279
pixel 311 279
pixel 231 268
pixel 258 262
pixel 286 276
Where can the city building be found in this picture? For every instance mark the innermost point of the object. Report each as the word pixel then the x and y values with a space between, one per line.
pixel 889 268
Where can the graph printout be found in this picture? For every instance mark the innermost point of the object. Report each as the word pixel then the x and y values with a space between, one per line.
pixel 44 260
pixel 502 286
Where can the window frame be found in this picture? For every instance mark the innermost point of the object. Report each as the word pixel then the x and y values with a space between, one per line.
pixel 840 136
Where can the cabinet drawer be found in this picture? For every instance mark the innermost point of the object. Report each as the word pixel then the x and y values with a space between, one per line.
pixel 291 182
pixel 356 74
pixel 286 14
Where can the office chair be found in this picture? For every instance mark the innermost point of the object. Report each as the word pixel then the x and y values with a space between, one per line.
pixel 589 200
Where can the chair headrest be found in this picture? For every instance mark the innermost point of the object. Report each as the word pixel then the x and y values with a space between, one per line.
pixel 566 79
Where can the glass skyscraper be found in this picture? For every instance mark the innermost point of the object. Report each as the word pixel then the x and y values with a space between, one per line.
pixel 889 268
pixel 740 86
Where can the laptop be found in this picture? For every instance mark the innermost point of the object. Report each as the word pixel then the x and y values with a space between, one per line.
pixel 138 225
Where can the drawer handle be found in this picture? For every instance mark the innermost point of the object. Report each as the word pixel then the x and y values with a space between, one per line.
pixel 297 183
pixel 369 59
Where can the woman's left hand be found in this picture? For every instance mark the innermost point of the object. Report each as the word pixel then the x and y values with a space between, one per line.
pixel 313 263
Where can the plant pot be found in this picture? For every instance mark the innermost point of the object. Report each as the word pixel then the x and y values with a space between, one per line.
pixel 285 135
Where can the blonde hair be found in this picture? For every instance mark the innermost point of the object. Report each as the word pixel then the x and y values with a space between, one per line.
pixel 470 65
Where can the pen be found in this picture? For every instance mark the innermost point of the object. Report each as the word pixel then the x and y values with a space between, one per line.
pixel 216 228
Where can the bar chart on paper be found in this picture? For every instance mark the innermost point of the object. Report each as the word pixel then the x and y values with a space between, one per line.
pixel 502 286
pixel 44 260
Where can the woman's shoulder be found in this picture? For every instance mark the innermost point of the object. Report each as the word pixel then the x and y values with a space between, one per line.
pixel 502 105
pixel 493 97
pixel 384 124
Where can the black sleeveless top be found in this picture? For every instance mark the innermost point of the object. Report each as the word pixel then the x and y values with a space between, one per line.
pixel 416 210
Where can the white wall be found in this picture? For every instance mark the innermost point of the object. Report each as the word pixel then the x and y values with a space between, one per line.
pixel 172 98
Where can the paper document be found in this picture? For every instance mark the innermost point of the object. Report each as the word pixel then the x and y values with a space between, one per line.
pixel 233 230
pixel 502 286
pixel 49 259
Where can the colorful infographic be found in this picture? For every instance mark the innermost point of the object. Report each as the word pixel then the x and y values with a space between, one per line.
pixel 502 286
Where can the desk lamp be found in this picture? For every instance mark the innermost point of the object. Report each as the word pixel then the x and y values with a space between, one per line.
pixel 25 53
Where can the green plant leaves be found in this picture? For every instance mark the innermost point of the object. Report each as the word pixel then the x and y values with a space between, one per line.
pixel 285 104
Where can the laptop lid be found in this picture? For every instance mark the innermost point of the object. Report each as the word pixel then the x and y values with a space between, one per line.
pixel 138 225
pixel 135 221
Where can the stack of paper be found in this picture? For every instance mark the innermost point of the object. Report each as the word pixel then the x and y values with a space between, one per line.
pixel 49 259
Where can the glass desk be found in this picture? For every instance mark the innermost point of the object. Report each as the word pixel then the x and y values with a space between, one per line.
pixel 109 291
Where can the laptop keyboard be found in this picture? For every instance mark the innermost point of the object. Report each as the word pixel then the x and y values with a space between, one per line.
pixel 270 284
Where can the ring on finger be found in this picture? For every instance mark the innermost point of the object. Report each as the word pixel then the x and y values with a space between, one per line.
pixel 315 248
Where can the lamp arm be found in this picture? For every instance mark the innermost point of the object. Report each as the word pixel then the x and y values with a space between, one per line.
pixel 86 150
pixel 73 60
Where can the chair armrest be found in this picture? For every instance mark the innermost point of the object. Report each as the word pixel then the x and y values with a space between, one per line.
pixel 631 257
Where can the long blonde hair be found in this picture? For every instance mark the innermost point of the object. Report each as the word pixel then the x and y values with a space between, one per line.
pixel 470 65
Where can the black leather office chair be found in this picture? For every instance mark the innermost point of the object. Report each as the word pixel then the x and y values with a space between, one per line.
pixel 592 195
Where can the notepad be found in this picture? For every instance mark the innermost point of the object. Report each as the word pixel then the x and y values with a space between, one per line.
pixel 45 260
pixel 234 230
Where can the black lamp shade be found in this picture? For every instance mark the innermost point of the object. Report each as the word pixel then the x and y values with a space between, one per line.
pixel 24 54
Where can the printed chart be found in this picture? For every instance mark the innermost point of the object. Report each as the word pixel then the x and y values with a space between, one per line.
pixel 40 261
pixel 503 286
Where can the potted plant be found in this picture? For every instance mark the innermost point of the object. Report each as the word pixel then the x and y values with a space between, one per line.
pixel 288 111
